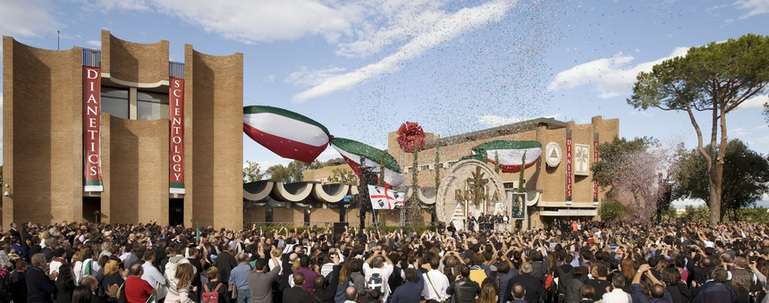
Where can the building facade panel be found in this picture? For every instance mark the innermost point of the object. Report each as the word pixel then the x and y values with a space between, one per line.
pixel 43 125
pixel 129 62
pixel 213 138
pixel 42 94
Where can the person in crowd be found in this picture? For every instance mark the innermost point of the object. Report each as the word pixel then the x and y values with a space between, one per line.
pixel 40 285
pixel 654 293
pixel 297 292
pixel 214 285
pixel 533 285
pixel 518 292
pixel 82 294
pixel 137 290
pixel 435 282
pixel 18 282
pixel 65 284
pixel 180 285
pixel 380 265
pixel 152 275
pixel 463 290
pixel 238 277
pixel 112 276
pixel 617 295
pixel 411 290
pixel 260 281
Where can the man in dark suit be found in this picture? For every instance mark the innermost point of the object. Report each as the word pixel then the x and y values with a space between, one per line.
pixel 296 294
pixel 532 285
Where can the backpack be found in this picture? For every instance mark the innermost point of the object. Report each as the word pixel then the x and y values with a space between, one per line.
pixel 209 296
pixel 549 282
pixel 395 279
pixel 376 280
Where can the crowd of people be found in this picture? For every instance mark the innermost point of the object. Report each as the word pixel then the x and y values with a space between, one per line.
pixel 570 262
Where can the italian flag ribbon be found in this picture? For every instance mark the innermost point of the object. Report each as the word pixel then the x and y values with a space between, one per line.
pixel 286 133
pixel 352 151
pixel 509 153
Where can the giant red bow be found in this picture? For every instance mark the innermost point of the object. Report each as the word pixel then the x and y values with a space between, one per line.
pixel 411 137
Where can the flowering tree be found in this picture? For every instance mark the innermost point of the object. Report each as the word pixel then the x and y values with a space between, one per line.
pixel 632 171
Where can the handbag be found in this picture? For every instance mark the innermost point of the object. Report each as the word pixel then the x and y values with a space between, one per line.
pixel 234 290
pixel 433 287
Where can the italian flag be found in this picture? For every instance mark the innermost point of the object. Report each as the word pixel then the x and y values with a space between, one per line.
pixel 510 154
pixel 352 151
pixel 286 133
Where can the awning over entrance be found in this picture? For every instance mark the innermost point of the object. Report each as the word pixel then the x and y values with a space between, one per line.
pixel 569 212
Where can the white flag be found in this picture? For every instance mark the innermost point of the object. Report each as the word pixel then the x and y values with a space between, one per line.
pixel 383 198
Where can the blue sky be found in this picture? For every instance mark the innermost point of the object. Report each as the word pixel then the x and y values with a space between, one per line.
pixel 362 68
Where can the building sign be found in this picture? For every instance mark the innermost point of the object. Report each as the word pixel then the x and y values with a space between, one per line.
pixel 92 128
pixel 595 160
pixel 176 115
pixel 470 187
pixel 568 170
pixel 553 154
pixel 581 160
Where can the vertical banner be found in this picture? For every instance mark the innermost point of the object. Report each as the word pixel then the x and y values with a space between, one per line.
pixel 595 160
pixel 92 128
pixel 176 115
pixel 568 169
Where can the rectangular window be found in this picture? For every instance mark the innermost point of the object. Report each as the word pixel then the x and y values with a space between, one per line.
pixel 151 106
pixel 425 167
pixel 115 102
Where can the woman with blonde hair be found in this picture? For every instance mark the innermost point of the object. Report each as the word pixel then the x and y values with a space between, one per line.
pixel 180 286
pixel 489 292
pixel 112 276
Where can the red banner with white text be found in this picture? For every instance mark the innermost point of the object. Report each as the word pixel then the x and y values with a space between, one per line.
pixel 568 169
pixel 176 116
pixel 595 160
pixel 92 128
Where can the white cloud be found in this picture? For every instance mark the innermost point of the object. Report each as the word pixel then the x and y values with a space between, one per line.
pixel 610 77
pixel 94 43
pixel 494 120
pixel 754 7
pixel 442 30
pixel 755 103
pixel 266 20
pixel 28 18
pixel 118 5
pixel 311 78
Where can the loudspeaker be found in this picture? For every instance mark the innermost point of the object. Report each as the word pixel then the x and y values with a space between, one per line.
pixel 339 227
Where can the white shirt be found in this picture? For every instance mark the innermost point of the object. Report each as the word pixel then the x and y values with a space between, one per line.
pixel 617 295
pixel 153 276
pixel 387 270
pixel 439 282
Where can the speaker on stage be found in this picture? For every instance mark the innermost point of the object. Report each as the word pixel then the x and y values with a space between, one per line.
pixel 339 227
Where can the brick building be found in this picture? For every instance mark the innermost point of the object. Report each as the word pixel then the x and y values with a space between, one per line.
pixel 122 135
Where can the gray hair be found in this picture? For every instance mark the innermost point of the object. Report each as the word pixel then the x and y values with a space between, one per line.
pixel 38 260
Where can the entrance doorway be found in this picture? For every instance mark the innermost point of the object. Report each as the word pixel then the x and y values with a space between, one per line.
pixel 175 211
pixel 92 209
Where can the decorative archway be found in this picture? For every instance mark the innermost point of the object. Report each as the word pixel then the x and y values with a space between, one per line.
pixel 469 186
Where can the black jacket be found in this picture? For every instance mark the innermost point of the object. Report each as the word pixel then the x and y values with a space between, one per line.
pixel 295 295
pixel 463 290
pixel 39 286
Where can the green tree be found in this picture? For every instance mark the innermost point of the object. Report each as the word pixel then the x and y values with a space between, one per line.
pixel 612 211
pixel 293 172
pixel 715 78
pixel 343 175
pixel 252 172
pixel 746 177
pixel 700 213
pixel 754 214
